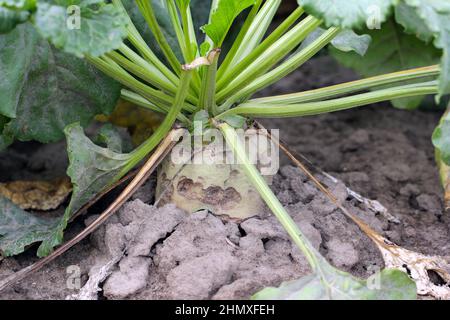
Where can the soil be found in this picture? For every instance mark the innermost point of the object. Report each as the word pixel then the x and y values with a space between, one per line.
pixel 163 253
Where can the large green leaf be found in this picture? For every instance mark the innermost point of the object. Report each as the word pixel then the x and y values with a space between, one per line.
pixel 18 4
pixel 441 138
pixel 18 228
pixel 9 18
pixel 389 284
pixel 348 14
pixel 13 12
pixel 101 28
pixel 17 55
pixel 92 169
pixel 223 17
pixel 430 20
pixel 45 89
pixel 391 50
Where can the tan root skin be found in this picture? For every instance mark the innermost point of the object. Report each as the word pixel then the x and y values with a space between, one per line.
pixel 37 195
pixel 221 188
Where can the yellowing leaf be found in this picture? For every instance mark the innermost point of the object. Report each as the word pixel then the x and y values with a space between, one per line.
pixel 141 123
pixel 37 195
pixel 441 143
pixel 444 171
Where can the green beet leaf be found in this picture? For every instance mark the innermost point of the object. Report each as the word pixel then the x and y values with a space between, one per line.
pixel 430 20
pixel 18 4
pixel 346 41
pixel 19 229
pixel 334 284
pixel 441 138
pixel 44 89
pixel 92 169
pixel 9 18
pixel 223 17
pixel 93 29
pixel 349 14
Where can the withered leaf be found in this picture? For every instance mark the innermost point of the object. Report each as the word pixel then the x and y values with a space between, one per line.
pixel 37 195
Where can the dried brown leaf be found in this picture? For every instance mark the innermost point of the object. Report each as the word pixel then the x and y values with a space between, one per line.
pixel 37 195
pixel 417 265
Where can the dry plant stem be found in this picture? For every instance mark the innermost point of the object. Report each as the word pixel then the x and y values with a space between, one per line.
pixel 147 169
pixel 416 264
